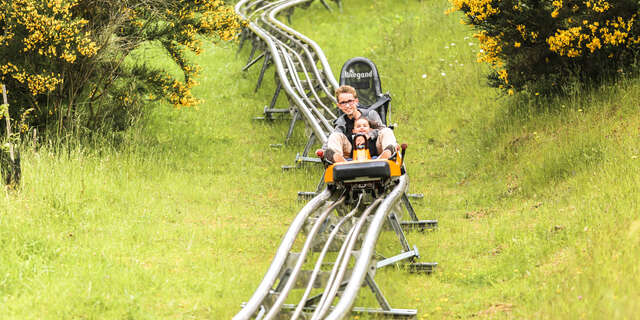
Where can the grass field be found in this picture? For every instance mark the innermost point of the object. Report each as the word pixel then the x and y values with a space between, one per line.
pixel 537 197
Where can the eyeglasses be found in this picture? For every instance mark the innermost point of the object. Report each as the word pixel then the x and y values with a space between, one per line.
pixel 347 102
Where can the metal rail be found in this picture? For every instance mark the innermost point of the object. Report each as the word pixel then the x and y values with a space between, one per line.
pixel 303 71
pixel 361 268
pixel 293 54
pixel 285 271
pixel 279 260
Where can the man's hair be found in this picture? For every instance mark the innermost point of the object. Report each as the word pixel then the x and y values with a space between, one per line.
pixel 346 89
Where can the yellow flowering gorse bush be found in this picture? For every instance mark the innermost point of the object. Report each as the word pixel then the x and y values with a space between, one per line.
pixel 66 59
pixel 543 44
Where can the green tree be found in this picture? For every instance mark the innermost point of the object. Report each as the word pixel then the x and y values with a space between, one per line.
pixel 64 60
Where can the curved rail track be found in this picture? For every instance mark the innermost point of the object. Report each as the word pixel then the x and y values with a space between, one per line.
pixel 328 252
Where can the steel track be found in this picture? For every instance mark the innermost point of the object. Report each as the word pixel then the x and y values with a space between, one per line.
pixel 303 72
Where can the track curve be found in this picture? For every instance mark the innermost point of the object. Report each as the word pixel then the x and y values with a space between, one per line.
pixel 303 71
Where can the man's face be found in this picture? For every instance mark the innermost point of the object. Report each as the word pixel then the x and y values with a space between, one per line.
pixel 361 126
pixel 347 103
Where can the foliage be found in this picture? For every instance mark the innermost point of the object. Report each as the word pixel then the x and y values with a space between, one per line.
pixel 63 61
pixel 159 227
pixel 541 45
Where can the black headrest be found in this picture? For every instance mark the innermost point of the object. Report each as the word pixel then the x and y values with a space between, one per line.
pixel 362 74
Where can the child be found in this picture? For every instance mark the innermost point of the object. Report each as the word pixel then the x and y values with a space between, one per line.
pixel 363 138
pixel 366 138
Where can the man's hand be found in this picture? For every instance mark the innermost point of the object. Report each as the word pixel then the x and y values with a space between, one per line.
pixel 385 154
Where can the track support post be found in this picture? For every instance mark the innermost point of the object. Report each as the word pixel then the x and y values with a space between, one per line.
pixel 304 157
pixel 265 65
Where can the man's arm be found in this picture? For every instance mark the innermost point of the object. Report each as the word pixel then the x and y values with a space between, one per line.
pixel 340 125
pixel 375 120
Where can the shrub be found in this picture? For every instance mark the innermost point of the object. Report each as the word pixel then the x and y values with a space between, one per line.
pixel 541 45
pixel 63 60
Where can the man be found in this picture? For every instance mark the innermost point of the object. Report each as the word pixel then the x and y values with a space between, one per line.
pixel 339 143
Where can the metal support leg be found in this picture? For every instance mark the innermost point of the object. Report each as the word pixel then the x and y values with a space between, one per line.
pixel 245 68
pixel 310 142
pixel 289 13
pixel 415 223
pixel 253 52
pixel 413 266
pixel 395 224
pixel 384 304
pixel 324 3
pixel 269 110
pixel 243 37
pixel 275 95
pixel 320 185
pixel 264 68
pixel 306 195
pixel 292 125
pixel 407 204
pixel 304 157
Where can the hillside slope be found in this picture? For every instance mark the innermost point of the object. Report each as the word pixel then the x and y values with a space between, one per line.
pixel 537 197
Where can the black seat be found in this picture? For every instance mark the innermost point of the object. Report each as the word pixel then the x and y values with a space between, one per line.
pixel 362 74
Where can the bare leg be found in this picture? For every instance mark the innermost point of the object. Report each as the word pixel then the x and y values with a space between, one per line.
pixel 339 146
pixel 385 143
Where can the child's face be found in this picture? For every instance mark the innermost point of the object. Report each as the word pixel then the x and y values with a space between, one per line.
pixel 361 126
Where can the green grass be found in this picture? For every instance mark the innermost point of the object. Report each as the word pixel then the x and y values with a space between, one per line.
pixel 537 197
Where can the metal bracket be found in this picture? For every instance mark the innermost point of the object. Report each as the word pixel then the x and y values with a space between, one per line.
pixel 420 225
pixel 413 267
pixel 269 112
pixel 300 160
pixel 422 267
pixel 413 254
